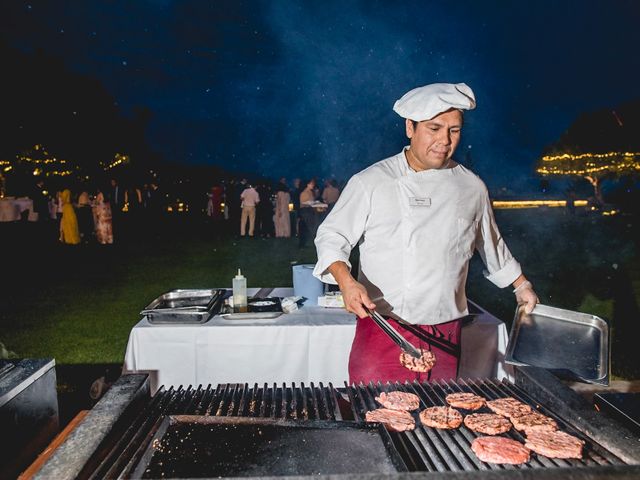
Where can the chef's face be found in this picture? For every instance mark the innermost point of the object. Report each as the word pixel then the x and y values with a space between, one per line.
pixel 434 141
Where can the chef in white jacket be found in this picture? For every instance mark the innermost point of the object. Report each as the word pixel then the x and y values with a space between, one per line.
pixel 417 217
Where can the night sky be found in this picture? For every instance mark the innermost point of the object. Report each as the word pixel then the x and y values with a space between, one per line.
pixel 307 88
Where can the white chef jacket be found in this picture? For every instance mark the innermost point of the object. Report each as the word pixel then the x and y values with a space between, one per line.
pixel 417 232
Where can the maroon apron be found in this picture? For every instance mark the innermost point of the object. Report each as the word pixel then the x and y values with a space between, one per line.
pixel 375 357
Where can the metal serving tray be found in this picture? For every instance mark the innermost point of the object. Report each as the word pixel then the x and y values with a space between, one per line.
pixel 185 306
pixel 571 344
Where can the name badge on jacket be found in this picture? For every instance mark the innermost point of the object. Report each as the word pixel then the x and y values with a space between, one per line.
pixel 419 201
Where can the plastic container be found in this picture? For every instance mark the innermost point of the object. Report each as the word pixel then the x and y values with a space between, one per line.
pixel 306 285
pixel 239 293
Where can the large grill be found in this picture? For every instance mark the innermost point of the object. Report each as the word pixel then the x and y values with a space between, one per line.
pixel 422 450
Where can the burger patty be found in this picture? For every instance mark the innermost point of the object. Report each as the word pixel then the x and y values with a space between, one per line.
pixel 500 450
pixel 487 423
pixel 399 400
pixel 555 444
pixel 422 364
pixel 441 417
pixel 467 401
pixel 534 422
pixel 396 420
pixel 508 407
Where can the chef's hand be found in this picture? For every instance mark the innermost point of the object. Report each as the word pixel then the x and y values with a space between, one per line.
pixel 353 292
pixel 355 296
pixel 526 296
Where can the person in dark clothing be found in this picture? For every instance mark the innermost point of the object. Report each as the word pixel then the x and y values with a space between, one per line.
pixel 116 199
pixel 135 204
pixel 84 214
pixel 308 223
pixel 295 199
pixel 41 199
pixel 266 228
pixel 232 201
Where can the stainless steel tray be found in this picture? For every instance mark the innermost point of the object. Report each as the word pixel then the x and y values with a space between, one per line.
pixel 571 344
pixel 251 315
pixel 185 306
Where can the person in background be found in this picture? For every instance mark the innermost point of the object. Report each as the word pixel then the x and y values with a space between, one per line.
pixel 330 194
pixel 134 201
pixel 116 199
pixel 69 232
pixel 85 216
pixel 316 191
pixel 116 195
pixel 214 209
pixel 41 201
pixel 59 206
pixel 307 214
pixel 250 199
pixel 233 204
pixel 102 219
pixel 417 217
pixel 282 217
pixel 214 202
pixel 264 211
pixel 295 199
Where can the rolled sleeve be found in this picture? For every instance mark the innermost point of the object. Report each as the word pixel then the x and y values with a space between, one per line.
pixel 506 275
pixel 321 269
pixel 341 230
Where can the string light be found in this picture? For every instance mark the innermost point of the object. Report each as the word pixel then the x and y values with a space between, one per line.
pixel 44 165
pixel 505 204
pixel 590 163
pixel 118 159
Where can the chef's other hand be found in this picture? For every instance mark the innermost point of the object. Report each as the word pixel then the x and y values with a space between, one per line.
pixel 526 296
pixel 355 296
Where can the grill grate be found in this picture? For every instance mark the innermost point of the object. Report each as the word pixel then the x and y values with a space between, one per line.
pixel 423 449
pixel 450 450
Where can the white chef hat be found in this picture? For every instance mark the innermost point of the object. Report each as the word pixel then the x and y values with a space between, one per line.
pixel 426 102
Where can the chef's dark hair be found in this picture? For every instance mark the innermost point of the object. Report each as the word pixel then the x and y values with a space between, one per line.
pixel 416 122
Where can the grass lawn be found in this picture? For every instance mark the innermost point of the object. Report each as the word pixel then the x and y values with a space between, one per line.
pixel 78 304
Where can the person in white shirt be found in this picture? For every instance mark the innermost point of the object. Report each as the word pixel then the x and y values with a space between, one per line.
pixel 417 218
pixel 330 194
pixel 250 199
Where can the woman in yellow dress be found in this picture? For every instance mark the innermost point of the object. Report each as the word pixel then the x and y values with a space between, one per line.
pixel 69 232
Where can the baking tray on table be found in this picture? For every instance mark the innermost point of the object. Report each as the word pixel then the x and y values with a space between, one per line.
pixel 185 306
pixel 572 345
pixel 258 308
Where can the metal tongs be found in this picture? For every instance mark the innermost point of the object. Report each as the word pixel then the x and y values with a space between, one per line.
pixel 393 334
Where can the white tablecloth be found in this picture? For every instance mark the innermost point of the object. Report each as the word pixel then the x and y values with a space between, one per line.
pixel 11 209
pixel 310 345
